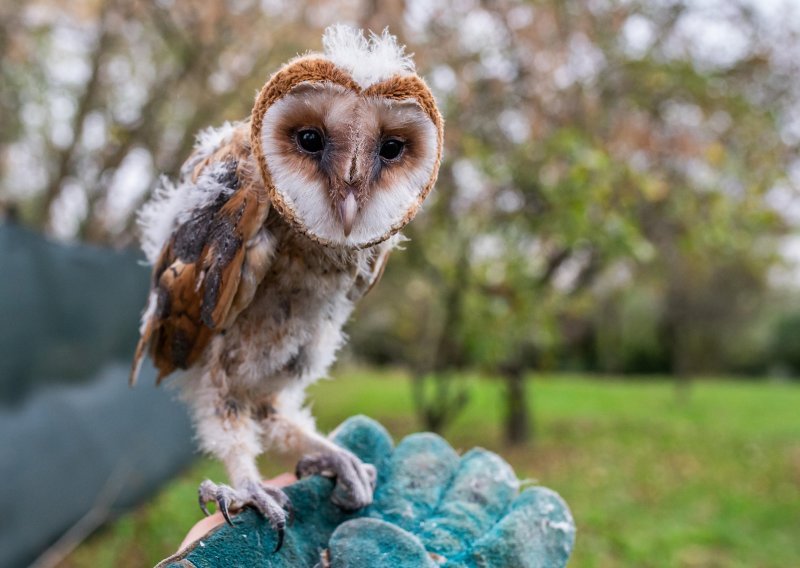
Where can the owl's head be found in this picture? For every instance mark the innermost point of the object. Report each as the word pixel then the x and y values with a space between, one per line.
pixel 348 141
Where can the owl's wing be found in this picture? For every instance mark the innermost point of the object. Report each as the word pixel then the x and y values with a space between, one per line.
pixel 210 267
pixel 370 274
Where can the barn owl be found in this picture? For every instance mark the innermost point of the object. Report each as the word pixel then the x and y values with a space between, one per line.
pixel 276 226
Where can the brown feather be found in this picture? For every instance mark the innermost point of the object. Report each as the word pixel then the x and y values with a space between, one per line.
pixel 199 270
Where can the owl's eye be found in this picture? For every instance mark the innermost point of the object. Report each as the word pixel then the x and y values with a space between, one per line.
pixel 391 149
pixel 310 140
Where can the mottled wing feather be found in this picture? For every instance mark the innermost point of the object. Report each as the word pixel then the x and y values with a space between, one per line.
pixel 259 252
pixel 367 279
pixel 378 268
pixel 196 280
pixel 179 335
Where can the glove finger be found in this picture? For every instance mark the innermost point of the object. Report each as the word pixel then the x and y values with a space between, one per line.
pixel 367 439
pixel 537 532
pixel 481 491
pixel 418 474
pixel 372 543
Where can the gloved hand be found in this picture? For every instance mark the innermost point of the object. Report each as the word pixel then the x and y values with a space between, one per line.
pixel 431 509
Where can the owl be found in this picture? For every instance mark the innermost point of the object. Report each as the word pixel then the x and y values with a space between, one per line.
pixel 275 228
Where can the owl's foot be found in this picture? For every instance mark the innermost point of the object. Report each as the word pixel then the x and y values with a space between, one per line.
pixel 355 480
pixel 269 501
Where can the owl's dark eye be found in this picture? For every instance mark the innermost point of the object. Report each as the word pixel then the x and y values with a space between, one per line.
pixel 310 140
pixel 391 149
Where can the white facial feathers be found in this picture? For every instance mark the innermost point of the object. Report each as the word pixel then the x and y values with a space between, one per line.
pixel 311 190
pixel 367 60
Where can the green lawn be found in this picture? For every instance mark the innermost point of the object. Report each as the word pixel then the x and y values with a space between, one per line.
pixel 710 481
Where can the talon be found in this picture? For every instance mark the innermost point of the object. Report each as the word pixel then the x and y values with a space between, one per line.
pixel 271 502
pixel 222 503
pixel 203 506
pixel 279 528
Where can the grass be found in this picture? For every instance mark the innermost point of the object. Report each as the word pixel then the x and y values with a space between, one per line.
pixel 713 480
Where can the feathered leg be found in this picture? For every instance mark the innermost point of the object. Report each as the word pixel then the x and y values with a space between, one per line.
pixel 291 427
pixel 229 431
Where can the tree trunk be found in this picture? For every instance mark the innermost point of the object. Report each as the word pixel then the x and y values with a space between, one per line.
pixel 518 420
pixel 436 409
pixel 676 337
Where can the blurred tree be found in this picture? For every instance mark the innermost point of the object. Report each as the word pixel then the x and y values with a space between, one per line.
pixel 617 185
pixel 103 95
pixel 593 151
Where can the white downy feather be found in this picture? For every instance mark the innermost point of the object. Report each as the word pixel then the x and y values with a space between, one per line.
pixel 368 59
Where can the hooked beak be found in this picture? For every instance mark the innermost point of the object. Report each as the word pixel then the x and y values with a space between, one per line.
pixel 347 212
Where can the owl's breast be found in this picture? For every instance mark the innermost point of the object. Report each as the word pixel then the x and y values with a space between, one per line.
pixel 292 330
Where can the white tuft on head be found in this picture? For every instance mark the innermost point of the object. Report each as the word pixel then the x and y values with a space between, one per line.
pixel 368 60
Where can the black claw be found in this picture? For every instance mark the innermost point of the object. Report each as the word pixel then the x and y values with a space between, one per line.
pixel 203 505
pixel 223 507
pixel 280 530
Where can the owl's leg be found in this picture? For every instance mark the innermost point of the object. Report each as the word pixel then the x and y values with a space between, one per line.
pixel 291 427
pixel 228 430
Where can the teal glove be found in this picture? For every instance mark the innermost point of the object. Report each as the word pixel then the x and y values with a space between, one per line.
pixel 431 509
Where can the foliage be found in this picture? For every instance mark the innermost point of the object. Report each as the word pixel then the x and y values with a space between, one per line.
pixel 650 482
pixel 648 173
pixel 619 179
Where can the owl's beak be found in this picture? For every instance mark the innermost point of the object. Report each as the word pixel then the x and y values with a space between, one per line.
pixel 347 212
